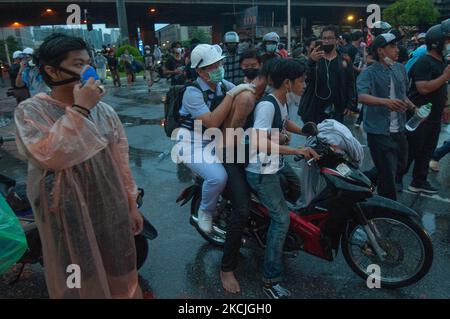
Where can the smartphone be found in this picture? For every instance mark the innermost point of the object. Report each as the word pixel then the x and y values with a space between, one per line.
pixel 87 73
pixel 318 43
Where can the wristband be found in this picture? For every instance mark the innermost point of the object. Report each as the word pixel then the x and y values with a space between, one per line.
pixel 82 108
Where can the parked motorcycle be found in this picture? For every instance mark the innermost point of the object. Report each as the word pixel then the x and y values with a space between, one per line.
pixel 16 197
pixel 371 230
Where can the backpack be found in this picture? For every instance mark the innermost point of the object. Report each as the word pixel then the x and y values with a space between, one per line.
pixel 172 106
pixel 277 123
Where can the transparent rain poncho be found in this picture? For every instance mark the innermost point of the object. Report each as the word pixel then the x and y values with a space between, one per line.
pixel 82 192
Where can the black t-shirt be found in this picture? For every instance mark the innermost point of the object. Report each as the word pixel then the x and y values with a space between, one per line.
pixel 352 51
pixel 403 55
pixel 112 62
pixel 328 90
pixel 172 64
pixel 428 68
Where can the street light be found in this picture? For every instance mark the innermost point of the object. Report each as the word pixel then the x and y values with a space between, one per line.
pixel 350 18
pixel 152 10
pixel 49 10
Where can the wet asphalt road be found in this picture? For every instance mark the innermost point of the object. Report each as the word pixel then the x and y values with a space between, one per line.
pixel 181 264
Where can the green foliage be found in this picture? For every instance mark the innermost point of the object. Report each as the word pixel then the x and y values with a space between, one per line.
pixel 411 13
pixel 132 50
pixel 201 35
pixel 13 45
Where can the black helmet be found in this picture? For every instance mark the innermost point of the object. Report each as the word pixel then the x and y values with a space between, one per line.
pixel 435 37
pixel 446 27
pixel 380 27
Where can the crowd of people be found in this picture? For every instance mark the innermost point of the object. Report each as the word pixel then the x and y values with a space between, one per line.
pixel 79 176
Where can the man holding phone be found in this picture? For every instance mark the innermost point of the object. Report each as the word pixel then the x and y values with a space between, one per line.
pixel 330 90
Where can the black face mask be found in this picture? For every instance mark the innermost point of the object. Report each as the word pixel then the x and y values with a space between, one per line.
pixel 251 73
pixel 232 48
pixel 328 48
pixel 75 77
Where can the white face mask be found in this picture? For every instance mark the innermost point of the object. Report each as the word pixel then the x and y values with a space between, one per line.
pixel 292 99
pixel 389 61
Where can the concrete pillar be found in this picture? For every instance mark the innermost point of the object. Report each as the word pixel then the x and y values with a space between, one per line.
pixel 217 32
pixel 148 32
pixel 133 33
pixel 122 21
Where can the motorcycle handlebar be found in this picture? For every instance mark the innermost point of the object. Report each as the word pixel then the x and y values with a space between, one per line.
pixel 298 158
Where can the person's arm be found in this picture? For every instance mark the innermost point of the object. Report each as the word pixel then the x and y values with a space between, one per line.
pixel 243 105
pixel 427 87
pixel 365 96
pixel 19 80
pixel 293 128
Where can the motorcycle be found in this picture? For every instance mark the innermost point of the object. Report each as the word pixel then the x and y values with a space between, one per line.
pixel 15 195
pixel 371 230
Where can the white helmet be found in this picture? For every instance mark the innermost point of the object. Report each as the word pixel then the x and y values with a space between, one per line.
pixel 17 54
pixel 421 36
pixel 205 54
pixel 29 51
pixel 231 37
pixel 271 36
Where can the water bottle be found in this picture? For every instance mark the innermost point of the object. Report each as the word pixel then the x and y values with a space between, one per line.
pixel 421 114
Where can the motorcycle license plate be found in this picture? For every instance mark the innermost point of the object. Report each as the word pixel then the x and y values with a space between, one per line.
pixel 343 169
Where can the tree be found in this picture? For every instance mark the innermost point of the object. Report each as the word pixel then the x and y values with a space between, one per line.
pixel 13 45
pixel 201 35
pixel 411 13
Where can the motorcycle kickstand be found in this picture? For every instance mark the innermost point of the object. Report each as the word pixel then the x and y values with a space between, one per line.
pixel 13 282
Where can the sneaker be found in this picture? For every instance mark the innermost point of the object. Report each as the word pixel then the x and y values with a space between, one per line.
pixel 422 187
pixel 434 165
pixel 276 291
pixel 204 221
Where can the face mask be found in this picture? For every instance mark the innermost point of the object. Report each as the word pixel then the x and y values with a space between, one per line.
pixel 231 48
pixel 271 48
pixel 217 75
pixel 389 61
pixel 328 47
pixel 292 99
pixel 178 50
pixel 31 63
pixel 148 51
pixel 251 73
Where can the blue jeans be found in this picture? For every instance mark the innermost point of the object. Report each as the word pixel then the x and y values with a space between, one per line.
pixel 440 152
pixel 268 189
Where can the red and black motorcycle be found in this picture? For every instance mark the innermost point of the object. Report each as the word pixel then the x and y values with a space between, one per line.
pixel 371 230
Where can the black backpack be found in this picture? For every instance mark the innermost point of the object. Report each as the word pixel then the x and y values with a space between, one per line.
pixel 172 106
pixel 174 101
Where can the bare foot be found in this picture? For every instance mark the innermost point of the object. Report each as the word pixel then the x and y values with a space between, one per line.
pixel 229 282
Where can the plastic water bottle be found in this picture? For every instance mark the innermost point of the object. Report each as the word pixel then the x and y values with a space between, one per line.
pixel 421 114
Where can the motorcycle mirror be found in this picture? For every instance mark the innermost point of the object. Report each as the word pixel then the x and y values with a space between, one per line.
pixel 310 129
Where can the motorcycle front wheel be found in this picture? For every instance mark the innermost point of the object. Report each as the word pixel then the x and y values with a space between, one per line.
pixel 408 248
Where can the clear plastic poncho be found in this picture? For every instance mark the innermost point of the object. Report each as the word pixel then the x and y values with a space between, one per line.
pixel 81 190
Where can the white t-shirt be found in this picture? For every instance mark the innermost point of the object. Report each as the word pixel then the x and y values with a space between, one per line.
pixel 394 127
pixel 264 115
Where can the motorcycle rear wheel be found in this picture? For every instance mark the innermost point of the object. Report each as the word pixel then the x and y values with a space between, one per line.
pixel 396 254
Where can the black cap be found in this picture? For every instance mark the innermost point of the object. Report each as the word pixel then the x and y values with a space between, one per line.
pixel 383 40
pixel 397 33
